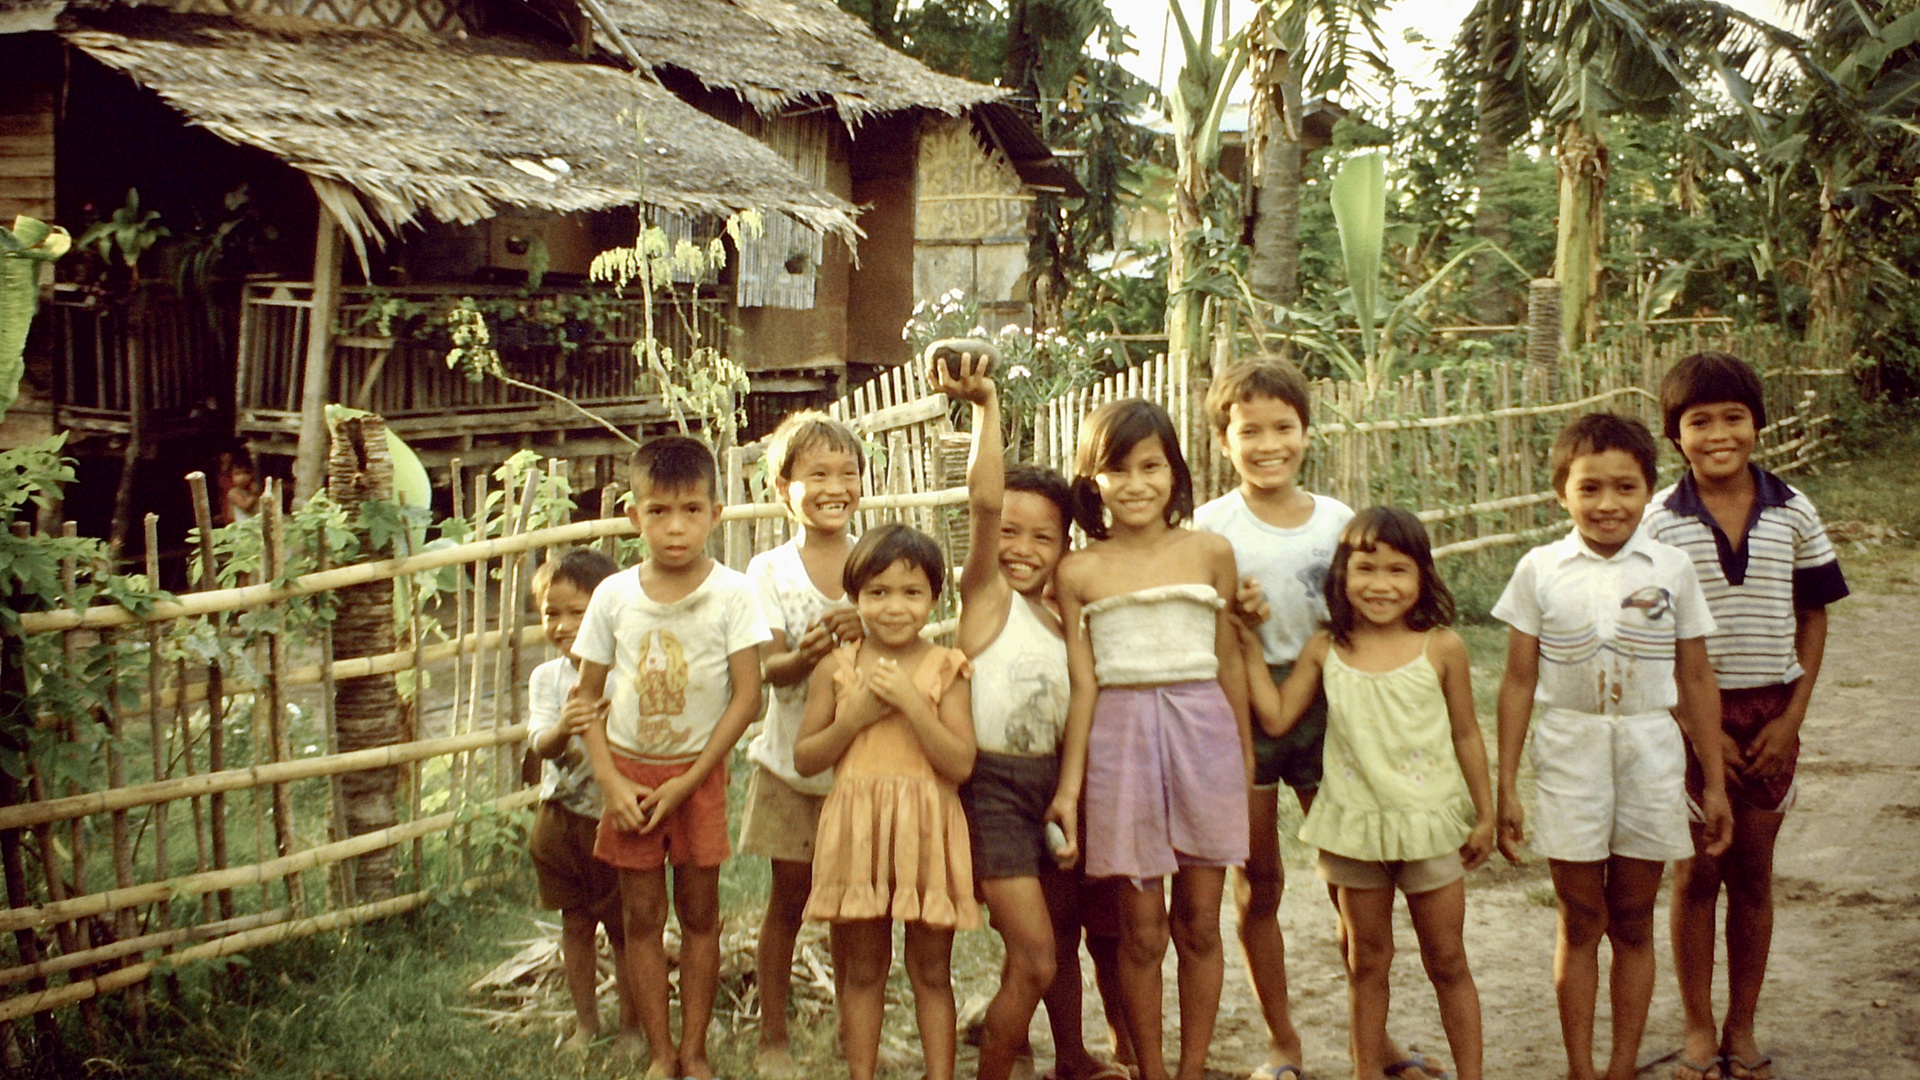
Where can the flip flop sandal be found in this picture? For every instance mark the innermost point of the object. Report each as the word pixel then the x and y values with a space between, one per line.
pixel 1415 1061
pixel 1748 1068
pixel 1709 1071
pixel 1277 1072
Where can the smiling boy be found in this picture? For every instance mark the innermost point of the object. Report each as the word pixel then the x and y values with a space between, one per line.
pixel 1609 637
pixel 1283 539
pixel 673 646
pixel 1769 573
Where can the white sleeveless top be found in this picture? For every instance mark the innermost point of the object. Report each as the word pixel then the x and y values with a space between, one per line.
pixel 1164 634
pixel 1020 687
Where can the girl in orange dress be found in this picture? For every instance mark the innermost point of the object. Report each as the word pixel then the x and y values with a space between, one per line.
pixel 892 717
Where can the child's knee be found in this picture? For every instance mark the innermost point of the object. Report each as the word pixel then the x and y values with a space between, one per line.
pixel 1370 956
pixel 1144 938
pixel 1445 961
pixel 1582 921
pixel 1630 928
pixel 1031 969
pixel 1195 934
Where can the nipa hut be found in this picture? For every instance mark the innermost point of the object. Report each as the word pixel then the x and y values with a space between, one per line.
pixel 364 162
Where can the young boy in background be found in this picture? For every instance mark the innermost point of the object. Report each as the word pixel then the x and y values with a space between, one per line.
pixel 584 889
pixel 1283 539
pixel 1768 573
pixel 815 463
pixel 673 648
pixel 1608 634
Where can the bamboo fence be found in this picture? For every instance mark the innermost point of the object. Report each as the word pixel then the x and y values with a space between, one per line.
pixel 213 823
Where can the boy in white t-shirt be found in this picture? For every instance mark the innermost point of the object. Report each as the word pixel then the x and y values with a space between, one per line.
pixel 673 648
pixel 1283 539
pixel 1609 631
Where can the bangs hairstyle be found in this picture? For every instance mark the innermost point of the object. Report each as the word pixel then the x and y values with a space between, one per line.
pixel 1403 532
pixel 672 462
pixel 880 547
pixel 1106 438
pixel 805 430
pixel 1047 484
pixel 582 568
pixel 1597 433
pixel 1710 378
pixel 1242 382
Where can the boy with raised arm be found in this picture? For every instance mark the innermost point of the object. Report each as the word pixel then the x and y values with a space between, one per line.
pixel 673 646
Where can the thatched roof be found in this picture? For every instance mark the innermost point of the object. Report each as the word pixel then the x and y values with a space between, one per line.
pixel 391 124
pixel 776 53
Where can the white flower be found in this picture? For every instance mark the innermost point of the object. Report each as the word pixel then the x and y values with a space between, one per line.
pixel 1010 330
pixel 906 332
pixel 978 331
pixel 1019 371
pixel 919 306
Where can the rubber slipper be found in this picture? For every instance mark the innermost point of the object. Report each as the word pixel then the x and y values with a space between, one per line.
pixel 1741 1069
pixel 1415 1061
pixel 1276 1072
pixel 1708 1071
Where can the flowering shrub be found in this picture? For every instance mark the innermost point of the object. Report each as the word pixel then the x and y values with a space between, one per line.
pixel 1035 366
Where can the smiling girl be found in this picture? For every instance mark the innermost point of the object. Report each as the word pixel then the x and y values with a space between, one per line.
pixel 1156 712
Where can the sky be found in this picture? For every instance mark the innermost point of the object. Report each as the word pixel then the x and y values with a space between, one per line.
pixel 1437 20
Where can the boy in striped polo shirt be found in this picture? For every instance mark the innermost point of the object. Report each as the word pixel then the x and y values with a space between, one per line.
pixel 1769 573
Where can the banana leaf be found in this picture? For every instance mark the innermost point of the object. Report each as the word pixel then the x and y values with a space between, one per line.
pixel 22 249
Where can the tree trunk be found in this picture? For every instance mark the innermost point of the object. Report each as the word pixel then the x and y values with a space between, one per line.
pixel 1273 266
pixel 1831 276
pixel 1495 297
pixel 1582 159
pixel 367 709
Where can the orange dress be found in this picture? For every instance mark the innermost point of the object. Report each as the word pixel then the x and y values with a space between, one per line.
pixel 892 841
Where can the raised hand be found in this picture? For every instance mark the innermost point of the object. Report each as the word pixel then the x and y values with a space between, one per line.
pixel 966 376
pixel 1250 604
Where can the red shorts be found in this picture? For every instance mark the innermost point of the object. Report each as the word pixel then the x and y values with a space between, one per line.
pixel 1742 714
pixel 694 835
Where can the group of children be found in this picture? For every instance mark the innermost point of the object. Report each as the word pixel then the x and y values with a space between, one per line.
pixel 1126 713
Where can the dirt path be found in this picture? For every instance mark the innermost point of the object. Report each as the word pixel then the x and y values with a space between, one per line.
pixel 1843 990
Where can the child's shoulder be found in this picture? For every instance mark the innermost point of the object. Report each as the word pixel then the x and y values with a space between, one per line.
pixel 774 560
pixel 558 670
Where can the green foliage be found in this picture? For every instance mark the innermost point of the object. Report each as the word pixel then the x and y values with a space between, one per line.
pixel 127 234
pixel 23 249
pixel 1359 195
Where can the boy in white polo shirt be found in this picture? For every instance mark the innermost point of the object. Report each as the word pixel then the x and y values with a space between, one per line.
pixel 1769 573
pixel 1609 636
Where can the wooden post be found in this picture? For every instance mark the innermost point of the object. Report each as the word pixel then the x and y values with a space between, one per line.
pixel 216 702
pixel 310 454
pixel 273 547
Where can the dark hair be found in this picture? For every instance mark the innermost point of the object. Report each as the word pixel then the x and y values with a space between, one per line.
pixel 880 547
pixel 1106 438
pixel 1709 378
pixel 672 462
pixel 1597 433
pixel 582 568
pixel 1249 379
pixel 804 430
pixel 1047 484
pixel 1401 531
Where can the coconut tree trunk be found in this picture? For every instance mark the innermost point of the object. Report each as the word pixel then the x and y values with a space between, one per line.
pixel 367 709
pixel 1273 266
pixel 1582 158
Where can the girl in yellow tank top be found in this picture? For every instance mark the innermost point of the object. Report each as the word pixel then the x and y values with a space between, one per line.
pixel 1405 801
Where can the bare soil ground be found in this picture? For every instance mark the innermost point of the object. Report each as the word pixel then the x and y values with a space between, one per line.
pixel 1843 990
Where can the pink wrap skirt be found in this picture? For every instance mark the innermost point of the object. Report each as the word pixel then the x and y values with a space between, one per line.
pixel 1166 784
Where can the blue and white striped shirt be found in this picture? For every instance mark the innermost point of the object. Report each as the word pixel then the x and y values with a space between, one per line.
pixel 1784 564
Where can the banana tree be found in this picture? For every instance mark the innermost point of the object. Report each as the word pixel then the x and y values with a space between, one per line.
pixel 23 249
pixel 1214 61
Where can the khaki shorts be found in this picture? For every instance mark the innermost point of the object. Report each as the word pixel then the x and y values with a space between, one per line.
pixel 778 822
pixel 1414 876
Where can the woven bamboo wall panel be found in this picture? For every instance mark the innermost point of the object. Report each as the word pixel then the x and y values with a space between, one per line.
pixel 964 192
pixel 430 16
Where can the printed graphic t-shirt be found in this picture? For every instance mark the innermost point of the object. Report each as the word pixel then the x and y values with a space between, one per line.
pixel 669 681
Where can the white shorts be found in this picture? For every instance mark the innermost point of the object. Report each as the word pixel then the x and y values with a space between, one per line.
pixel 1609 785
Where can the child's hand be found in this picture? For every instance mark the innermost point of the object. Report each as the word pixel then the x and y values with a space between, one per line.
pixel 622 798
pixel 1733 764
pixel 844 624
pixel 1066 814
pixel 1479 846
pixel 815 644
pixel 579 714
pixel 966 378
pixel 891 684
pixel 664 800
pixel 1512 830
pixel 1717 829
pixel 863 706
pixel 1250 604
pixel 1772 751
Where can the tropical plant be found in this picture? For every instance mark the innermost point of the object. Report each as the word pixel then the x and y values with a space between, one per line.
pixel 1199 215
pixel 26 247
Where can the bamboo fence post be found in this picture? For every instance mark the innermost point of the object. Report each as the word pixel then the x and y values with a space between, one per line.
pixel 274 549
pixel 457 767
pixel 506 666
pixel 79 935
pixel 216 700
pixel 417 707
pixel 157 729
pixel 475 674
pixel 609 508
pixel 342 881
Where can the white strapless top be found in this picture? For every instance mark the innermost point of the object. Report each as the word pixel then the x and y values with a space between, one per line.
pixel 1164 634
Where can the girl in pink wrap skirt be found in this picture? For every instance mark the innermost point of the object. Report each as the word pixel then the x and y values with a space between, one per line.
pixel 1158 737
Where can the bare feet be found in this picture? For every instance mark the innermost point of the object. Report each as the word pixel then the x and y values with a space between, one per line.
pixel 578 1040
pixel 1699 1057
pixel 775 1063
pixel 696 1069
pixel 629 1044
pixel 667 1069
